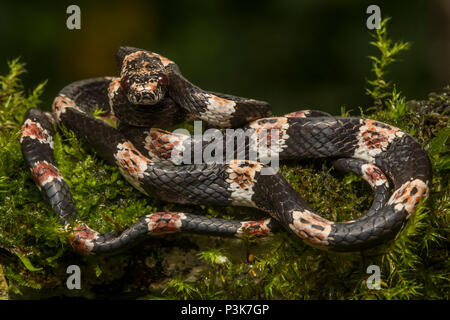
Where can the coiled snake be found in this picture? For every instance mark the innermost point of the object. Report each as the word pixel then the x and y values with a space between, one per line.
pixel 151 93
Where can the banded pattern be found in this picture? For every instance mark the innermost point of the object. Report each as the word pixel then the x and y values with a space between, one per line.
pixel 151 92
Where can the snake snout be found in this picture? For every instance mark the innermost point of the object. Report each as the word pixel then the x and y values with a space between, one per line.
pixel 148 91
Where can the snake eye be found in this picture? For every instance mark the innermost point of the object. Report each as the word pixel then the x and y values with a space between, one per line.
pixel 125 83
pixel 163 80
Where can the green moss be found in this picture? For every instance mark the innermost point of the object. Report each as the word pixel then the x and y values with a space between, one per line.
pixel 34 253
pixel 380 89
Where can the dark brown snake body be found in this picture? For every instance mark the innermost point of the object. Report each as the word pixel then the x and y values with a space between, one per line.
pixel 151 93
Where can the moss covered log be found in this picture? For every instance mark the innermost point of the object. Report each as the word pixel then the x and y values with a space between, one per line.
pixel 35 254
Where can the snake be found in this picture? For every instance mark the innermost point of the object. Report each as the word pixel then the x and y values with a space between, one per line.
pixel 125 118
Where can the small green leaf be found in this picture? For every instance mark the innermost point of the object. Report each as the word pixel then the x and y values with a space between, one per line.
pixel 27 263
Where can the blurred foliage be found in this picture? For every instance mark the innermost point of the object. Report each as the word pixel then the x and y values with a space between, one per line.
pixel 294 54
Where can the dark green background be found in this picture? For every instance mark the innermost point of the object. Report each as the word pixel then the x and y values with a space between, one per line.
pixel 294 54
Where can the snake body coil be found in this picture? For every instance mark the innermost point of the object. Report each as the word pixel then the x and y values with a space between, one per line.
pixel 151 93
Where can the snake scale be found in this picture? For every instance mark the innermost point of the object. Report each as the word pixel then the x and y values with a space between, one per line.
pixel 151 93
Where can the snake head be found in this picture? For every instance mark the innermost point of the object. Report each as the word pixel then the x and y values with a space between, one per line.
pixel 143 78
